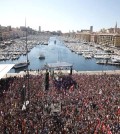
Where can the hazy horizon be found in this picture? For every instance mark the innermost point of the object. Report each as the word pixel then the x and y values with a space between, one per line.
pixel 64 15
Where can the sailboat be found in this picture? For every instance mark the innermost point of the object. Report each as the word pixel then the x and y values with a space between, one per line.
pixel 24 63
pixel 21 65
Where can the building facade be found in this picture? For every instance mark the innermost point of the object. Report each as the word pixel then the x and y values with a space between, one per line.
pixel 109 39
pixel 93 38
pixel 116 40
pixel 83 36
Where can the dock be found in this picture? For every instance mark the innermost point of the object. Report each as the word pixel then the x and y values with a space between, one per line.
pixel 104 62
pixel 66 72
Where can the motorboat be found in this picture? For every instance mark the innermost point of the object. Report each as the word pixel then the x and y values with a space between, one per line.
pixel 115 59
pixel 21 64
pixel 100 56
pixel 87 55
pixel 42 57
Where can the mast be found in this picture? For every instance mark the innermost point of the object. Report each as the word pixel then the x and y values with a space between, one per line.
pixel 26 41
pixel 27 66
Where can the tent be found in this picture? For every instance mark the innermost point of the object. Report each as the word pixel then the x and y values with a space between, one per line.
pixel 58 65
pixel 4 68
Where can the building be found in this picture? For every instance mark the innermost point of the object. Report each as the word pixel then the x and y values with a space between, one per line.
pixel 91 29
pixel 115 29
pixel 108 39
pixel 93 38
pixel 9 28
pixel 84 36
pixel 39 28
pixel 116 40
pixel 0 34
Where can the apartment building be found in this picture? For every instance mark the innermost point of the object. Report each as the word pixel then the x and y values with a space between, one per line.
pixel 116 40
pixel 84 36
pixel 0 33
pixel 108 39
pixel 93 38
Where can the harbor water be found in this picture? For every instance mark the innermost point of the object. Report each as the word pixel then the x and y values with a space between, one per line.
pixel 54 52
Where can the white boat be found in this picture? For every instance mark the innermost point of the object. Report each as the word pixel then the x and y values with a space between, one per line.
pixel 87 55
pixel 115 59
pixel 24 63
pixel 79 52
pixel 21 64
pixel 100 56
pixel 42 57
pixel 45 43
pixel 107 62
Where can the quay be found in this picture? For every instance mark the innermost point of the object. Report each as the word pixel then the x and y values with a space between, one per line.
pixel 103 62
pixel 36 72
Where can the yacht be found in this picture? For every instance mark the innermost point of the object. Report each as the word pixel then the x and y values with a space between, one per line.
pixel 21 64
pixel 101 56
pixel 115 59
pixel 87 55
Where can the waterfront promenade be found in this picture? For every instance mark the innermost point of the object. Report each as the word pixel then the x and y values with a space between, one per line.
pixel 23 73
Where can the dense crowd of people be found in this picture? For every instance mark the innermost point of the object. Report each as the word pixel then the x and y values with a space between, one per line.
pixel 74 104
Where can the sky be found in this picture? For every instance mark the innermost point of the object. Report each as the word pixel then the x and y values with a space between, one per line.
pixel 64 15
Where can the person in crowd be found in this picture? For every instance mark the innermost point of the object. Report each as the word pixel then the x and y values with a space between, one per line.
pixel 74 104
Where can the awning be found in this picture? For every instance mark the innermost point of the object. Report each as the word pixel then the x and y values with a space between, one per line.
pixel 4 68
pixel 58 65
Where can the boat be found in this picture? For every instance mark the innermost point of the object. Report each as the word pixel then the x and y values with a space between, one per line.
pixel 54 41
pixel 42 57
pixel 101 56
pixel 87 55
pixel 79 52
pixel 108 62
pixel 21 65
pixel 24 63
pixel 45 43
pixel 115 59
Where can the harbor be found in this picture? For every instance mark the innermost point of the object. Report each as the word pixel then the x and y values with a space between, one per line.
pixel 83 56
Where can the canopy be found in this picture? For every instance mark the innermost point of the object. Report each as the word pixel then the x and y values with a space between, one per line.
pixel 4 68
pixel 58 65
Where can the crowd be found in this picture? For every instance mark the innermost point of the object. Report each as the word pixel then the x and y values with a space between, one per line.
pixel 90 105
pixel 64 82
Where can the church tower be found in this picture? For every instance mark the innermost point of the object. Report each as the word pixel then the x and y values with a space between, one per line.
pixel 115 29
pixel 0 33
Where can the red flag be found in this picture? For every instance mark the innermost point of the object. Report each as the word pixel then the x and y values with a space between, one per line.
pixel 71 89
pixel 97 127
pixel 118 112
pixel 108 130
pixel 103 128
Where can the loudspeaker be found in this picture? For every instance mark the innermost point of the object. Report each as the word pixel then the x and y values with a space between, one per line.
pixel 71 71
pixel 23 94
pixel 47 81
